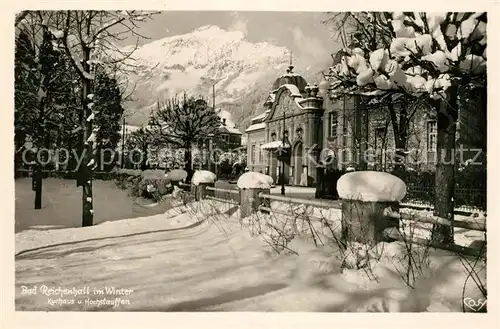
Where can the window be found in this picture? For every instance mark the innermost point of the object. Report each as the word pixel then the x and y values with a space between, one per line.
pixel 273 137
pixel 333 116
pixel 431 136
pixel 261 158
pixel 345 131
pixel 379 144
pixel 431 142
pixel 299 132
pixel 252 153
pixel 379 138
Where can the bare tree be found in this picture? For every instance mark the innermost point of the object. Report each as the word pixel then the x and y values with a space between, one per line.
pixel 366 31
pixel 89 39
pixel 439 57
pixel 139 141
pixel 181 123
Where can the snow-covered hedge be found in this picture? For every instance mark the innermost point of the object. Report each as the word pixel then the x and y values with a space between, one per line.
pixel 153 173
pixel 371 186
pixel 150 184
pixel 254 179
pixel 203 176
pixel 129 172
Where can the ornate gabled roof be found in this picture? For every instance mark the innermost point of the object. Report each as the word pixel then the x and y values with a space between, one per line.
pixel 270 99
pixel 260 117
pixel 256 126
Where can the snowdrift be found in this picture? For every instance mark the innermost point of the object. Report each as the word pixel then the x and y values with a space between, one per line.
pixel 170 264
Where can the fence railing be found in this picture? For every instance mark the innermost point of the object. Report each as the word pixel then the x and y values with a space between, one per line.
pixel 307 202
pixel 224 195
pixel 478 225
pixel 465 199
pixel 287 213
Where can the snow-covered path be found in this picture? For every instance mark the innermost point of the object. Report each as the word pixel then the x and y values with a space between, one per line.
pixel 195 268
pixel 200 259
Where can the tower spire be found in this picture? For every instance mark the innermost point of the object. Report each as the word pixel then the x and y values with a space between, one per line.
pixel 290 66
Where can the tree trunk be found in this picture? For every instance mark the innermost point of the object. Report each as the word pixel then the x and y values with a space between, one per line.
pixel 447 115
pixel 144 165
pixel 188 163
pixel 400 155
pixel 400 130
pixel 87 200
pixel 358 138
pixel 37 170
pixel 37 178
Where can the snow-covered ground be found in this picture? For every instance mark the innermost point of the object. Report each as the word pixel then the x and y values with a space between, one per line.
pixel 201 258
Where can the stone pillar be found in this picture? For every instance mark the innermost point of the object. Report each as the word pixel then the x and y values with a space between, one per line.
pixel 250 201
pixel 201 192
pixel 309 135
pixel 364 221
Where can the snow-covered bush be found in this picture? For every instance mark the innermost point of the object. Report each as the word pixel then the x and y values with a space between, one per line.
pixel 254 180
pixel 124 177
pixel 203 176
pixel 373 186
pixel 176 175
pixel 154 187
pixel 359 256
pixel 148 183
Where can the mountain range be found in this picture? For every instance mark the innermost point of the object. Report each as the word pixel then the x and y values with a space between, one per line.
pixel 242 71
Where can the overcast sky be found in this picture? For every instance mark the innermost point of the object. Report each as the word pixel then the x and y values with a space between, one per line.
pixel 302 32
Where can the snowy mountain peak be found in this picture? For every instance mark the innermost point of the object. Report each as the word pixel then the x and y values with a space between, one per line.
pixel 208 27
pixel 194 61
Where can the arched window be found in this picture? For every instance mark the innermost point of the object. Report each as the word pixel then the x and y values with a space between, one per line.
pixel 273 137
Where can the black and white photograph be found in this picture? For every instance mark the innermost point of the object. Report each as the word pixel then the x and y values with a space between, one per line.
pixel 250 161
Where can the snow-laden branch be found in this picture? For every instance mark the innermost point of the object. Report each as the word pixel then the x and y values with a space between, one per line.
pixel 418 60
pixel 91 34
pixel 105 27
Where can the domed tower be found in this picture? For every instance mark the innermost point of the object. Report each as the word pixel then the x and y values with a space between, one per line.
pixel 291 78
pixel 295 119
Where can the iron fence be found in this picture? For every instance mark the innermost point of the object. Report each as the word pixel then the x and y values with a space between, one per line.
pixel 467 199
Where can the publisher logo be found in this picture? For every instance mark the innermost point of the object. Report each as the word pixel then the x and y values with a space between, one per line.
pixel 475 305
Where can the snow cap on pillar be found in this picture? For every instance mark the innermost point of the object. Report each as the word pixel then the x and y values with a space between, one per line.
pixel 371 186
